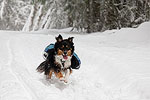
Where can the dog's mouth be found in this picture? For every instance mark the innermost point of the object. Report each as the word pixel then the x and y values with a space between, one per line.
pixel 65 57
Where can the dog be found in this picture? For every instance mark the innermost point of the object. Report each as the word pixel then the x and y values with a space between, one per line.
pixel 60 60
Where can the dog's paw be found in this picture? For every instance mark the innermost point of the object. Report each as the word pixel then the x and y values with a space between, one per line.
pixel 65 80
pixel 62 79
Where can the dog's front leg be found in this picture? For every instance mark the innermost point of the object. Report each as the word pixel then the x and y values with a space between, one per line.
pixel 67 73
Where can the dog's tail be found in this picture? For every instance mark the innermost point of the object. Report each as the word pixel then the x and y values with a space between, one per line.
pixel 42 67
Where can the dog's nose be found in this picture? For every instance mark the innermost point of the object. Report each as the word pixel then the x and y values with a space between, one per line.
pixel 65 52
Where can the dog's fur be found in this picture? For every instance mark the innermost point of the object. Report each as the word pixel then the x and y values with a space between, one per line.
pixel 59 59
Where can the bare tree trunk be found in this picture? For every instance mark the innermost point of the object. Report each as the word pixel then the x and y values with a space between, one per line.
pixel 88 16
pixel 30 21
pixel 45 21
pixel 38 18
pixel 2 9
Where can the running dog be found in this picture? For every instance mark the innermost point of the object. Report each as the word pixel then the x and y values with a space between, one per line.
pixel 60 59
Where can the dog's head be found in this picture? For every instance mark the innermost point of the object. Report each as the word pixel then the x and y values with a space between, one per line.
pixel 64 47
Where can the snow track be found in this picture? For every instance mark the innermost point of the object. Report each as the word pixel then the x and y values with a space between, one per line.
pixel 11 87
pixel 18 74
pixel 113 67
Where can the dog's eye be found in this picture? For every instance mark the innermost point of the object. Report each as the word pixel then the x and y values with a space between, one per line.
pixel 68 47
pixel 62 46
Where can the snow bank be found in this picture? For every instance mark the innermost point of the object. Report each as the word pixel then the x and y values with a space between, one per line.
pixel 115 66
pixel 139 34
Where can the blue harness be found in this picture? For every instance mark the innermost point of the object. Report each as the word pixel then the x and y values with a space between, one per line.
pixel 51 46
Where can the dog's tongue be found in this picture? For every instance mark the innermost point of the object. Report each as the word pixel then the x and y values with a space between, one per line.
pixel 65 57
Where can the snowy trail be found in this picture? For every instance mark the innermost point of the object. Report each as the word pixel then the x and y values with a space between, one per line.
pixel 10 83
pixel 112 68
pixel 22 63
pixel 18 76
pixel 32 84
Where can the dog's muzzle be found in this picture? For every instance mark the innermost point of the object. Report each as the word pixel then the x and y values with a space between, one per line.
pixel 65 57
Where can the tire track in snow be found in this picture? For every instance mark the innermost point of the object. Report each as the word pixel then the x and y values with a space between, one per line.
pixel 29 92
pixel 9 53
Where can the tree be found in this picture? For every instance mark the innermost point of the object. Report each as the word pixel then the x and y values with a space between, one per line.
pixel 83 15
pixel 46 14
pixel 13 14
pixel 34 18
pixel 95 15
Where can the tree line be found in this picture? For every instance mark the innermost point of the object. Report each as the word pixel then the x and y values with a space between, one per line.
pixel 82 15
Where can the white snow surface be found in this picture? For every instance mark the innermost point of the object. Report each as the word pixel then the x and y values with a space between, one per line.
pixel 115 66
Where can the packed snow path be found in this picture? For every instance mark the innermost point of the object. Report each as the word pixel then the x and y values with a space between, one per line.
pixel 115 66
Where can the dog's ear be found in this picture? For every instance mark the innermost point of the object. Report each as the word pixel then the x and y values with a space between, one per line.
pixel 70 39
pixel 59 38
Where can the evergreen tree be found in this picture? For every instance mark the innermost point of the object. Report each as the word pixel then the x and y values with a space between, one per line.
pixel 95 15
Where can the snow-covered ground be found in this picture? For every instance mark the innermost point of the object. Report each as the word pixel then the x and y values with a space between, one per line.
pixel 115 66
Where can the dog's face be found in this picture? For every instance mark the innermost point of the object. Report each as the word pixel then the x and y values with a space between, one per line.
pixel 64 47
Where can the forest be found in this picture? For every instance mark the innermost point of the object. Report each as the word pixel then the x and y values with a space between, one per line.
pixel 81 15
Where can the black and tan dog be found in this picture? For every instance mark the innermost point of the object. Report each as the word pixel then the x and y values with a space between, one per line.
pixel 60 59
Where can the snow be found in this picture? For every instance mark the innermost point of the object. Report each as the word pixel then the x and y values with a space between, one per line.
pixel 115 66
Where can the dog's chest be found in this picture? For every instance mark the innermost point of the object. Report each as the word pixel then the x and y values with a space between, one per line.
pixel 65 63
